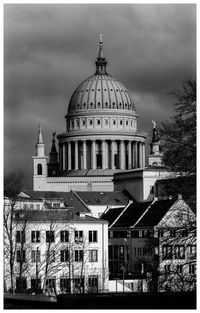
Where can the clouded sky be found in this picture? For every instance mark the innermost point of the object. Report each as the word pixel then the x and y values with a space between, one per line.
pixel 51 48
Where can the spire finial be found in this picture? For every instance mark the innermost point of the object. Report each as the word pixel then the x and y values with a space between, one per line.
pixel 101 61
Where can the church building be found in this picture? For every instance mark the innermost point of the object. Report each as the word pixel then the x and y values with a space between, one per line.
pixel 100 139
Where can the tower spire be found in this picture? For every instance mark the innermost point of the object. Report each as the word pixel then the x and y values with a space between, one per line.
pixel 101 61
pixel 40 144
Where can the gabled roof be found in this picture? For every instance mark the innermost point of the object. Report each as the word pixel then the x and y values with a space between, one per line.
pixel 155 213
pixel 111 214
pixel 54 216
pixel 132 213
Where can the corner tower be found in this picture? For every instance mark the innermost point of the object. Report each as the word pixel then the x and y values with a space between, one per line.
pixel 39 164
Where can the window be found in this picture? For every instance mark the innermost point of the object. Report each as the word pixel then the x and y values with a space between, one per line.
pixel 121 252
pixel 192 250
pixel 90 122
pixel 50 256
pixel 139 251
pixel 35 256
pixel 192 269
pixel 21 256
pixel 126 122
pixel 51 284
pixel 179 268
pixel 93 283
pixel 92 235
pixel 167 268
pixel 64 236
pixel 37 207
pixel 144 251
pixel 106 122
pixel 172 233
pixel 83 122
pixel 56 204
pixel 35 236
pixel 78 236
pixel 179 252
pixel 65 284
pixel 98 122
pixel 31 206
pixel 78 255
pixel 64 255
pixel 114 122
pixel 121 122
pixel 93 256
pixel 49 236
pixel 160 233
pixel 39 169
pixel 167 251
pixel 20 236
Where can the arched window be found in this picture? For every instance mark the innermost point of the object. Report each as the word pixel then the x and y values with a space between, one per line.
pixel 39 169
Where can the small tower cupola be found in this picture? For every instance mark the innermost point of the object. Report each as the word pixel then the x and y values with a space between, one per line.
pixel 101 61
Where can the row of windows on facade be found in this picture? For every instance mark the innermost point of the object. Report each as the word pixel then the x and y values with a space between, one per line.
pixel 180 268
pixel 37 206
pixel 21 283
pixel 177 251
pixel 64 256
pixel 50 236
pixel 105 105
pixel 148 233
pixel 74 124
pixel 122 252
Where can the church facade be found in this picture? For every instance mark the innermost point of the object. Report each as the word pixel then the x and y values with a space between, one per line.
pixel 100 139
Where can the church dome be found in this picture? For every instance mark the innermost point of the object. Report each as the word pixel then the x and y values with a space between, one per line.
pixel 101 92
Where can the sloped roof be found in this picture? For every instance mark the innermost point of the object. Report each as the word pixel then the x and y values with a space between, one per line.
pixel 117 198
pixel 69 198
pixel 53 215
pixel 132 213
pixel 111 214
pixel 155 213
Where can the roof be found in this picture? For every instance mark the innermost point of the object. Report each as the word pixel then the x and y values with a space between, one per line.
pixel 88 172
pixel 155 213
pixel 111 214
pixel 69 198
pixel 132 213
pixel 117 198
pixel 53 215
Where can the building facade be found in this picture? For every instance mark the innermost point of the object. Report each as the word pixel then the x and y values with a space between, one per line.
pixel 56 251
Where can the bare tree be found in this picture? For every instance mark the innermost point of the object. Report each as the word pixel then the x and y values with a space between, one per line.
pixel 13 185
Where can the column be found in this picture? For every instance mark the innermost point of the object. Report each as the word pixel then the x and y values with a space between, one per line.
pixel 94 165
pixel 84 155
pixel 143 146
pixel 63 157
pixel 104 154
pixel 140 155
pixel 122 155
pixel 76 155
pixel 136 154
pixel 112 155
pixel 69 156
pixel 129 155
pixel 60 156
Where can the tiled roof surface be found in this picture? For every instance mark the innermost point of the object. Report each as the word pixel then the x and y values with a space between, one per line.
pixel 104 198
pixel 111 215
pixel 155 213
pixel 53 215
pixel 132 214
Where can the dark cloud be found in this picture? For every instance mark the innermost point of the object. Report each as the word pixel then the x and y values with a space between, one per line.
pixel 50 49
